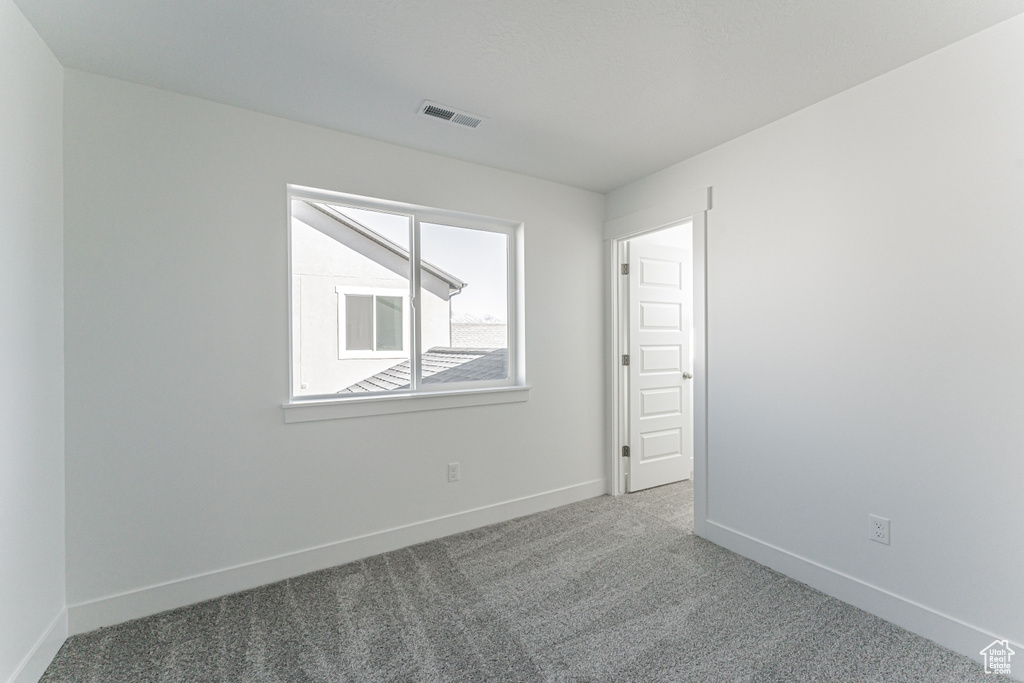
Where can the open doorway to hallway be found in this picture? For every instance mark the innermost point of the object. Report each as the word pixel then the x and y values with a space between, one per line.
pixel 655 337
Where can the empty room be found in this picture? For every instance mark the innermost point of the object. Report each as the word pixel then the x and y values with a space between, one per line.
pixel 526 341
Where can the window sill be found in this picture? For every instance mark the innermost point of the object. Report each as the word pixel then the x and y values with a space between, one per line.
pixel 335 409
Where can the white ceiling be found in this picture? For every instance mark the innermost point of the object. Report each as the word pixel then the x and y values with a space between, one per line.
pixel 591 93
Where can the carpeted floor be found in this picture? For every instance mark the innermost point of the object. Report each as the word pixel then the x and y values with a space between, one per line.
pixel 609 589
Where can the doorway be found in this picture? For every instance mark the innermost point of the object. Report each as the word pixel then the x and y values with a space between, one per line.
pixel 654 343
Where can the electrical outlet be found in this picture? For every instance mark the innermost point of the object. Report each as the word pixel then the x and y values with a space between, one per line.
pixel 453 471
pixel 878 529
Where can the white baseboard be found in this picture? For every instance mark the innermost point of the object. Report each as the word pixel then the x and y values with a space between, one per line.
pixel 142 602
pixel 43 652
pixel 929 623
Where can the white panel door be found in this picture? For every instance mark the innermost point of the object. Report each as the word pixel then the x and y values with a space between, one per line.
pixel 659 372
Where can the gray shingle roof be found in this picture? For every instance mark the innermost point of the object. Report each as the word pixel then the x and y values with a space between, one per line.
pixel 479 335
pixel 440 364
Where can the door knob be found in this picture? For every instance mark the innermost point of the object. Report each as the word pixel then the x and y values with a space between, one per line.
pixel 687 375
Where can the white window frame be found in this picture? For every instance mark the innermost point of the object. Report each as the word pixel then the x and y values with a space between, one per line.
pixel 343 353
pixel 421 396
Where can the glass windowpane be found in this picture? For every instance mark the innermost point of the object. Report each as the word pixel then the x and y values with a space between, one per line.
pixel 358 322
pixel 389 323
pixel 464 290
pixel 351 268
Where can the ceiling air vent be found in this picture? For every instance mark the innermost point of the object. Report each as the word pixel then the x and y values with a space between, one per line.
pixel 451 115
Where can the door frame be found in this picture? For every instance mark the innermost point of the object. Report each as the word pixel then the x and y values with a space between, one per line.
pixel 617 233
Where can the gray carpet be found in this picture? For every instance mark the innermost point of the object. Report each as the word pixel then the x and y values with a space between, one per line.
pixel 609 589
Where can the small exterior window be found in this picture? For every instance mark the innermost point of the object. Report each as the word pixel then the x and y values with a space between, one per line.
pixel 389 299
pixel 372 324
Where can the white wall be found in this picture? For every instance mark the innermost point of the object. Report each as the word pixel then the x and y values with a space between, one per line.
pixel 31 352
pixel 866 339
pixel 179 462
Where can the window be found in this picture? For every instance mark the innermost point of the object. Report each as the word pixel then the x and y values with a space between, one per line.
pixel 371 324
pixel 391 300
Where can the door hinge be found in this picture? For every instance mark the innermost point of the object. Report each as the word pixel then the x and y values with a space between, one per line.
pixel 625 359
pixel 625 451
pixel 625 269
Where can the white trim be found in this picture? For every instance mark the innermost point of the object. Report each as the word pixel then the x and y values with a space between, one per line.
pixel 700 370
pixel 946 630
pixel 617 397
pixel 416 319
pixel 402 402
pixel 428 214
pixel 682 206
pixel 516 318
pixel 114 609
pixel 42 653
pixel 617 388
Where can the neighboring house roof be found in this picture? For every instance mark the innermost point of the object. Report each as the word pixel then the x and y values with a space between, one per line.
pixel 479 335
pixel 440 364
pixel 476 319
pixel 354 235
